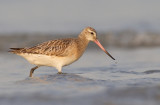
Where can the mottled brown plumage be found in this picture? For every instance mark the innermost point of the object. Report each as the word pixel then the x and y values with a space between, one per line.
pixel 53 47
pixel 58 53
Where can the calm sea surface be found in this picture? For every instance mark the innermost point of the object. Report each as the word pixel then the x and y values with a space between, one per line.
pixel 95 79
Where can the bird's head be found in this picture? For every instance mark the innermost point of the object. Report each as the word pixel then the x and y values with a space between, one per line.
pixel 91 35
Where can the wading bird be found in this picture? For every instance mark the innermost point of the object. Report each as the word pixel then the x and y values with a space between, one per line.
pixel 59 53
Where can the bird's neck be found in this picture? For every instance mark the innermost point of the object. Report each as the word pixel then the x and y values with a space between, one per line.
pixel 82 44
pixel 82 39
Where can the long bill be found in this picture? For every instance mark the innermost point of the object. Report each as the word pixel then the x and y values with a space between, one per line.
pixel 99 44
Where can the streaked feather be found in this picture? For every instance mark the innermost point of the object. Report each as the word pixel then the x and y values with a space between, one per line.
pixel 53 47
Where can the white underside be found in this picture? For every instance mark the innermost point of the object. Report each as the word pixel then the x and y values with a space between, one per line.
pixel 45 60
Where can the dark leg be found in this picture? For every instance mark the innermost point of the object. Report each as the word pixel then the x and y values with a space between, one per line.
pixel 32 70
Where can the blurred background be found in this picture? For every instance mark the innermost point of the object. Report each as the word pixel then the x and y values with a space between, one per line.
pixel 119 23
pixel 128 29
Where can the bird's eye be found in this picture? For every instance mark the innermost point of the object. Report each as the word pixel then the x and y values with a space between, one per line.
pixel 92 33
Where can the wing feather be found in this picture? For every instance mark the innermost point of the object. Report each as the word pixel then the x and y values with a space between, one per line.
pixel 53 47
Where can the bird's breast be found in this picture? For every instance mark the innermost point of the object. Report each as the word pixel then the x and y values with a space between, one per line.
pixel 45 60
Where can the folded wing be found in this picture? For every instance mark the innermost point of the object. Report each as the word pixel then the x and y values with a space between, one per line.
pixel 53 47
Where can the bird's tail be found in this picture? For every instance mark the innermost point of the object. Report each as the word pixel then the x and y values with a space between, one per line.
pixel 15 50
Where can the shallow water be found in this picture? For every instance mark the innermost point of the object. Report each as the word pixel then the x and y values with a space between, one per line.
pixel 95 79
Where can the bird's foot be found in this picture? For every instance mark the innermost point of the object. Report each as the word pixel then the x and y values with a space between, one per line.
pixel 61 73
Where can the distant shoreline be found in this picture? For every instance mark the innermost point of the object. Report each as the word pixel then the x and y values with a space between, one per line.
pixel 124 39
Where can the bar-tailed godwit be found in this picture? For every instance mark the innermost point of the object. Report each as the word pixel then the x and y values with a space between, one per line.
pixel 59 53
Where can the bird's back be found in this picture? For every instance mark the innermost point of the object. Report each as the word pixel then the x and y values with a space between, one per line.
pixel 52 48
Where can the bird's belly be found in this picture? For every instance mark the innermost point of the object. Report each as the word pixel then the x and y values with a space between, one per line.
pixel 45 60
